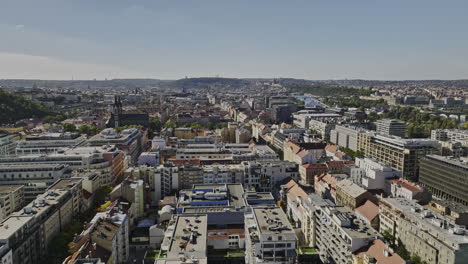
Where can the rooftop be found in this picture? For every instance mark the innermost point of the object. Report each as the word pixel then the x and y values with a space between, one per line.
pixel 272 220
pixel 429 220
pixel 65 183
pixel 458 162
pixel 9 188
pixel 189 234
pixel 212 195
pixel 350 188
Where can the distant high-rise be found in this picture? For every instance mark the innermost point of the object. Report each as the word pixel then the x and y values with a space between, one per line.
pixel 390 127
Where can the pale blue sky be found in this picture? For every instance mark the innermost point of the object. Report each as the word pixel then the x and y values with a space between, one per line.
pixel 313 39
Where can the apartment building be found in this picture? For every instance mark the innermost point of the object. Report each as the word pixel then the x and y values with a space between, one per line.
pixel 445 177
pixel 264 175
pixel 133 191
pixel 322 128
pixel 146 174
pixel 302 118
pixel 105 239
pixel 401 154
pixel 11 199
pixel 302 153
pixel 335 231
pixel 352 195
pixel 219 174
pixel 449 134
pixel 189 175
pixel 377 252
pixel 391 127
pixel 270 237
pixel 166 181
pixel 325 185
pixel 27 233
pixel 409 190
pixel 425 233
pixel 372 174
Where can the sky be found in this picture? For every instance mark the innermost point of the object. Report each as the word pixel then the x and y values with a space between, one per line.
pixel 310 39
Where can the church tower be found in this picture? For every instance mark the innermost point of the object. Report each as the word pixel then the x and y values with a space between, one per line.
pixel 117 111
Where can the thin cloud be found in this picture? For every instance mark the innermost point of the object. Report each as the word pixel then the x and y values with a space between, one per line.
pixel 23 66
pixel 19 27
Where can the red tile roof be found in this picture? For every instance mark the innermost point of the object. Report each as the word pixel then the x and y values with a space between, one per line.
pixel 369 210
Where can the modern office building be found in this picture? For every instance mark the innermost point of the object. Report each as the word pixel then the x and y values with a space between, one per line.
pixel 346 136
pixel 224 204
pixel 35 177
pixel 270 237
pixel 186 240
pixel 7 144
pixel 445 177
pixel 433 237
pixel 401 154
pixel 391 127
pixel 48 143
pixel 131 141
pixel 106 160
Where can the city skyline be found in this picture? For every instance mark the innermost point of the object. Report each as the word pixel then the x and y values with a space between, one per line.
pixel 84 40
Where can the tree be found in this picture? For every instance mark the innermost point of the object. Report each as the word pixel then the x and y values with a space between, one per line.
pixel 170 124
pixel 84 129
pixel 196 125
pixel 155 125
pixel 93 130
pixel 67 127
pixel 373 116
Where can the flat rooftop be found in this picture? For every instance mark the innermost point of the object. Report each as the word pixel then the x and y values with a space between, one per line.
pixel 458 162
pixel 189 234
pixel 64 183
pixel 202 195
pixel 258 195
pixel 431 220
pixel 358 228
pixel 272 220
pixel 9 188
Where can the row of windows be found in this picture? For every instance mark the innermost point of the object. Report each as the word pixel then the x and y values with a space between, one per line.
pixel 26 176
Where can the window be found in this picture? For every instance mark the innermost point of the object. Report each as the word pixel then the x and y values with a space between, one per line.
pixel 280 238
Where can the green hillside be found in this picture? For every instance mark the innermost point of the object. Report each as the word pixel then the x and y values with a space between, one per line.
pixel 15 107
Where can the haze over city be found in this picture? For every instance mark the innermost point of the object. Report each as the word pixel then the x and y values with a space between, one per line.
pixel 390 40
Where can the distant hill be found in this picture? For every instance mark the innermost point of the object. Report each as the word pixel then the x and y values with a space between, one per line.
pixel 15 107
